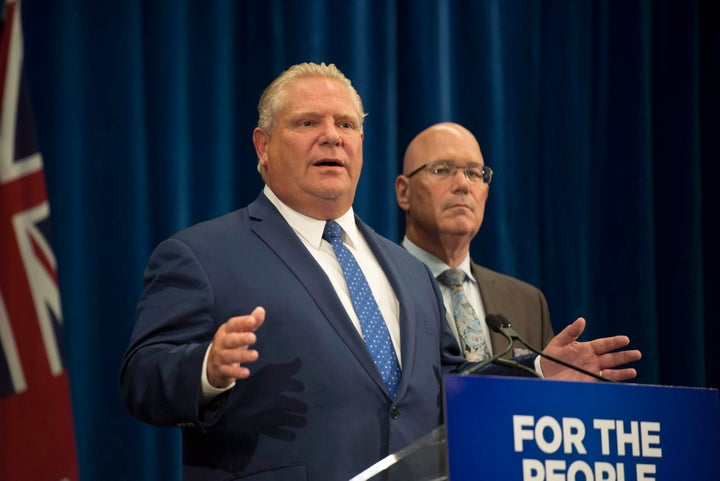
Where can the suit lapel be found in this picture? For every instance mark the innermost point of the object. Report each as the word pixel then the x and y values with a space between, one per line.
pixel 272 228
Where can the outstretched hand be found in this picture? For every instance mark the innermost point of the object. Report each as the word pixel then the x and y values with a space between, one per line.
pixel 599 356
pixel 230 349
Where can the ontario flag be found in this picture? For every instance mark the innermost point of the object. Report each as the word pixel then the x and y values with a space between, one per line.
pixel 36 430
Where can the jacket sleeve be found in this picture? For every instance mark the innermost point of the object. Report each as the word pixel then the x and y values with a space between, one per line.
pixel 161 370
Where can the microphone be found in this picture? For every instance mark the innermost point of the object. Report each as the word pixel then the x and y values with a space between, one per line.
pixel 494 321
pixel 499 323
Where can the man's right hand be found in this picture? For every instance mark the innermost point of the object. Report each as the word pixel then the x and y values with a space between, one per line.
pixel 230 349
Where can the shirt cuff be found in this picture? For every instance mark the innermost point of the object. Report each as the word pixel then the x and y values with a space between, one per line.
pixel 538 369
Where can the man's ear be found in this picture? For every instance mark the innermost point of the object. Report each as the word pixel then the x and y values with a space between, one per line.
pixel 402 192
pixel 260 141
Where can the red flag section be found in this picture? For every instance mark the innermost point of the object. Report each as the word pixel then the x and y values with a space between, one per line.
pixel 36 430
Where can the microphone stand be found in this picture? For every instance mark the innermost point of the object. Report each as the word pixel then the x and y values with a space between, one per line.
pixel 511 333
pixel 493 322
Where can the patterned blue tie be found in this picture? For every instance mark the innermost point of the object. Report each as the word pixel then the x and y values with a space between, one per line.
pixel 375 332
pixel 472 337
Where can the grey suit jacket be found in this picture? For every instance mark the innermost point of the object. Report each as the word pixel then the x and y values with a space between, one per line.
pixel 522 304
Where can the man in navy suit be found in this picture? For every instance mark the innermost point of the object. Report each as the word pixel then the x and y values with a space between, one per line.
pixel 443 194
pixel 260 289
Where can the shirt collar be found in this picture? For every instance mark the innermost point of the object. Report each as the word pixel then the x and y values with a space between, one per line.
pixel 312 229
pixel 436 265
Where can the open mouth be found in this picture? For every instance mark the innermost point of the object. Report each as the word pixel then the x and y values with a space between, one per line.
pixel 329 163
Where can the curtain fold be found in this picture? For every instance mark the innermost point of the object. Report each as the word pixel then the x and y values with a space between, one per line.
pixel 599 119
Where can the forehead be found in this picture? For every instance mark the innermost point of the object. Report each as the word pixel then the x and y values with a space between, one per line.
pixel 320 95
pixel 451 145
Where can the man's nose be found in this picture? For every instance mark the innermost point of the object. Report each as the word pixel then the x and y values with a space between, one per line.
pixel 331 134
pixel 460 179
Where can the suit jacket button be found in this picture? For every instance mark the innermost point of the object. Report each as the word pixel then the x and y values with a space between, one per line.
pixel 394 412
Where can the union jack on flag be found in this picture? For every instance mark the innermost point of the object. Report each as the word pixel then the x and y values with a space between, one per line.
pixel 36 431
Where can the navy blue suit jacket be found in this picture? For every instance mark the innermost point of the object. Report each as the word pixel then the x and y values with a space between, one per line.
pixel 315 406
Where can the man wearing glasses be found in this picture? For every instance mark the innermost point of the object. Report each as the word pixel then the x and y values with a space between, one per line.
pixel 443 193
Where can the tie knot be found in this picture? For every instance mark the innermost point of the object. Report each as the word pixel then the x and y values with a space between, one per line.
pixel 332 229
pixel 452 277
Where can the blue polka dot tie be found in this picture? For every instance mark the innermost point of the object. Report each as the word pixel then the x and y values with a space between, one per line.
pixel 375 332
pixel 472 336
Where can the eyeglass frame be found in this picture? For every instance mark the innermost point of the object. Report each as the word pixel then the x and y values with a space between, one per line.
pixel 487 172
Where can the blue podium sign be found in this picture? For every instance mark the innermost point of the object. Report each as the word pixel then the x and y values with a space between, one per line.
pixel 503 428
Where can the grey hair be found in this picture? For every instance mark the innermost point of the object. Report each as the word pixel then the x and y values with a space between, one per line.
pixel 274 94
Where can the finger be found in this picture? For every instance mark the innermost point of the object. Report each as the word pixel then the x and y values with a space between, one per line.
pixel 608 344
pixel 615 359
pixel 619 374
pixel 571 332
pixel 248 323
pixel 225 374
pixel 241 354
pixel 234 340
pixel 259 314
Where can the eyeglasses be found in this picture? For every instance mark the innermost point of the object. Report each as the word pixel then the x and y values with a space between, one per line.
pixel 443 170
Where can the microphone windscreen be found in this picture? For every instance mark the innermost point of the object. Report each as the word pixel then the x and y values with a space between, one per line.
pixel 496 322
pixel 504 320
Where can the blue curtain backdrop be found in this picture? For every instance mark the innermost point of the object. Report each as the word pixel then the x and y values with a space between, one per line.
pixel 600 119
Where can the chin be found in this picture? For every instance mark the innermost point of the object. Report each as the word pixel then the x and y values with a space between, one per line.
pixel 332 188
pixel 461 229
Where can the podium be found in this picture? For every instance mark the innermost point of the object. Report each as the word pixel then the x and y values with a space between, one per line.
pixel 524 429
